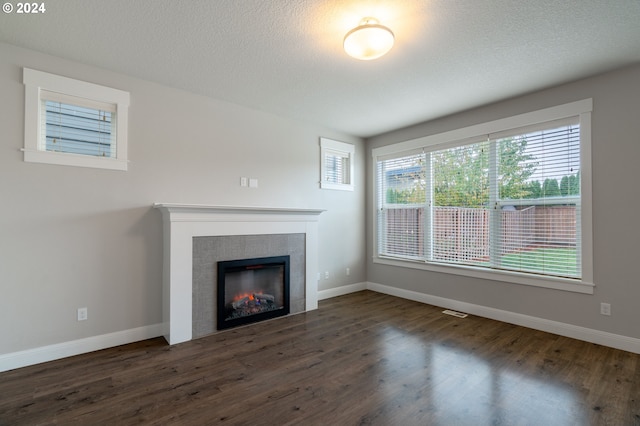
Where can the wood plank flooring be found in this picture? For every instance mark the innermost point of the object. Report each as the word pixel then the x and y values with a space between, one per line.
pixel 360 359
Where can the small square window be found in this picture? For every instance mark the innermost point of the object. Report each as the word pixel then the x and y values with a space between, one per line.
pixel 75 123
pixel 337 165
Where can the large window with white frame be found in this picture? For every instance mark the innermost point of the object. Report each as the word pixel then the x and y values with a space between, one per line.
pixel 508 200
pixel 72 122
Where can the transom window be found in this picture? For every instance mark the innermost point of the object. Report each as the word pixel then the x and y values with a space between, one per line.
pixel 508 202
pixel 336 171
pixel 71 122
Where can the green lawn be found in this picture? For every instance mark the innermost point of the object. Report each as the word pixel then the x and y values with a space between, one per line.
pixel 557 261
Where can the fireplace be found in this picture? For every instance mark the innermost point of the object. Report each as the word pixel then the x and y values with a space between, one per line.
pixel 252 290
pixel 186 223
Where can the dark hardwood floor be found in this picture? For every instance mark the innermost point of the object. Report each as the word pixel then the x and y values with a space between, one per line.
pixel 364 358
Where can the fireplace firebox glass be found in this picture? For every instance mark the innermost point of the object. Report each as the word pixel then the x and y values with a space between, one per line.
pixel 251 290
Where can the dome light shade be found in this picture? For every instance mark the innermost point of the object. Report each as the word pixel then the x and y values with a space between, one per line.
pixel 369 40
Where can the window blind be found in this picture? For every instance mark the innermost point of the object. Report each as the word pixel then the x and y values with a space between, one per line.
pixel 77 126
pixel 511 202
pixel 460 204
pixel 539 199
pixel 337 167
pixel 401 202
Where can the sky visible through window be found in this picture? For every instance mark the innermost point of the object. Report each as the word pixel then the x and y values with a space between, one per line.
pixel 555 151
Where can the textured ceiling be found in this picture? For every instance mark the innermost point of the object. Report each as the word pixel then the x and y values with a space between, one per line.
pixel 286 57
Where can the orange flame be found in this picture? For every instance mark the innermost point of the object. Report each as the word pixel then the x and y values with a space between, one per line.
pixel 250 296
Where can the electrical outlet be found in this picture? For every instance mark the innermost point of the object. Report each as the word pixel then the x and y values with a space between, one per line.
pixel 326 275
pixel 82 314
pixel 348 271
pixel 244 181
pixel 605 309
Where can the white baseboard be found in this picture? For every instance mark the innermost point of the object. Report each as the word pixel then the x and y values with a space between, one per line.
pixel 341 291
pixel 617 341
pixel 76 347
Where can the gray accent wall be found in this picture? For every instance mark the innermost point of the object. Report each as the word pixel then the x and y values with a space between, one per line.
pixel 74 237
pixel 208 251
pixel 616 211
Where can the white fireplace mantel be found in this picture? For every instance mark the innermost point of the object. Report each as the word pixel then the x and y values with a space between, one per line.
pixel 182 222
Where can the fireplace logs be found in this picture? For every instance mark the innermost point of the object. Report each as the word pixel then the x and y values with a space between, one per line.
pixel 251 305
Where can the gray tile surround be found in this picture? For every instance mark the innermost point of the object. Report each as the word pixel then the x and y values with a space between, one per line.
pixel 208 251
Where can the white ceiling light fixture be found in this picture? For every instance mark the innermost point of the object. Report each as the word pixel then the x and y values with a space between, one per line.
pixel 369 40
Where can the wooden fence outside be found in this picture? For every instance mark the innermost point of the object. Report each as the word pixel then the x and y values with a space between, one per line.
pixel 462 234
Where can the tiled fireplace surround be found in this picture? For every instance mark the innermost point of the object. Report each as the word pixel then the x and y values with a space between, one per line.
pixel 208 251
pixel 196 237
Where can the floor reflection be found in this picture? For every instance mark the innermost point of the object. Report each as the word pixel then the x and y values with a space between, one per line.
pixel 456 386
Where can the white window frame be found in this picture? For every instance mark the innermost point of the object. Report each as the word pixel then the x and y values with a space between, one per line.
pixel 85 94
pixel 337 149
pixel 581 109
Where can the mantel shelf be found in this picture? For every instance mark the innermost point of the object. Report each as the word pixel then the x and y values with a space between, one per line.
pixel 214 209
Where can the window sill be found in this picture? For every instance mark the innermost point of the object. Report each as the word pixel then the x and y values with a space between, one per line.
pixel 563 284
pixel 69 159
pixel 336 186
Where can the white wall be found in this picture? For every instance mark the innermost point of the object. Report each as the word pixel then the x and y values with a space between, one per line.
pixel 75 237
pixel 616 212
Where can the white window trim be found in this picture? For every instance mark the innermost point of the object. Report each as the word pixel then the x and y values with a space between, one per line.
pixel 328 146
pixel 34 82
pixel 582 109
